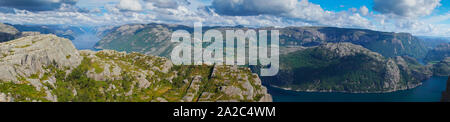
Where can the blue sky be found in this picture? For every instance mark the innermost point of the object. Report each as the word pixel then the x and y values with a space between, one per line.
pixel 342 5
pixel 419 17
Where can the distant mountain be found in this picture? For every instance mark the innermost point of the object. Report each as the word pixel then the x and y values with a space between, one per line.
pixel 69 32
pixel 386 43
pixel 345 67
pixel 441 68
pixel 431 42
pixel 150 39
pixel 50 68
pixel 154 39
pixel 439 53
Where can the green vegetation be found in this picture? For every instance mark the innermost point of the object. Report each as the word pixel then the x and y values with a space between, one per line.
pixel 439 53
pixel 22 92
pixel 318 69
pixel 23 46
pixel 172 85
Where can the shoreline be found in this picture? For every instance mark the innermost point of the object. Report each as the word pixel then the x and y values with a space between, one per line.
pixel 357 92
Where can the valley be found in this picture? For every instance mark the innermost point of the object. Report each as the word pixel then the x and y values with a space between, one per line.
pixel 313 60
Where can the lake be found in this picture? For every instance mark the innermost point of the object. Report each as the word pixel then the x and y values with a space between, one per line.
pixel 430 91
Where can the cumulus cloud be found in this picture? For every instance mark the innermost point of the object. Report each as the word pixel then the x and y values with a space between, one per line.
pixel 186 12
pixel 129 5
pixel 36 5
pixel 364 10
pixel 253 7
pixel 313 13
pixel 173 4
pixel 406 8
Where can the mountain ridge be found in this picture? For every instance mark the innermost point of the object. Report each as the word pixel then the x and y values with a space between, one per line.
pixel 138 38
pixel 49 68
pixel 346 67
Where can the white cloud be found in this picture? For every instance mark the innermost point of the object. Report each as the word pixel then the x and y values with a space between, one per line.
pixel 313 13
pixel 129 5
pixel 406 8
pixel 36 5
pixel 302 13
pixel 364 10
pixel 163 3
pixel 253 7
pixel 438 18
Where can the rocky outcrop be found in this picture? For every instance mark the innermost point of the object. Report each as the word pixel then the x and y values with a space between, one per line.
pixel 385 43
pixel 392 76
pixel 30 55
pixel 49 68
pixel 439 53
pixel 7 32
pixel 346 67
pixel 29 33
pixel 246 87
pixel 347 49
pixel 441 68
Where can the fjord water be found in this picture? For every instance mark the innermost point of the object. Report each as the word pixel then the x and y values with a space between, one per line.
pixel 86 40
pixel 430 91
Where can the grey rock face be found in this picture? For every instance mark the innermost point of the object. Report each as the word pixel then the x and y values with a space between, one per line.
pixel 246 87
pixel 7 32
pixel 392 75
pixel 348 49
pixel 26 56
pixel 442 68
pixel 374 72
pixel 28 33
pixel 34 60
pixel 6 97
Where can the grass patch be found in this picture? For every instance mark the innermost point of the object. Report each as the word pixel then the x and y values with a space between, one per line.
pixel 23 46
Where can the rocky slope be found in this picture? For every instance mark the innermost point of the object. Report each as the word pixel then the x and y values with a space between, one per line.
pixel 150 39
pixel 439 53
pixel 441 68
pixel 49 68
pixel 7 32
pixel 345 67
pixel 386 43
pixel 154 39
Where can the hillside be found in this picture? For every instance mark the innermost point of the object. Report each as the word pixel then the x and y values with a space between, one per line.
pixel 386 43
pixel 154 39
pixel 150 39
pixel 441 68
pixel 345 67
pixel 7 32
pixel 49 68
pixel 439 53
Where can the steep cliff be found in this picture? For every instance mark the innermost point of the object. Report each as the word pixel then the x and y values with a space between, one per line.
pixel 439 53
pixel 7 32
pixel 154 39
pixel 446 93
pixel 345 67
pixel 385 43
pixel 49 68
pixel 441 68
